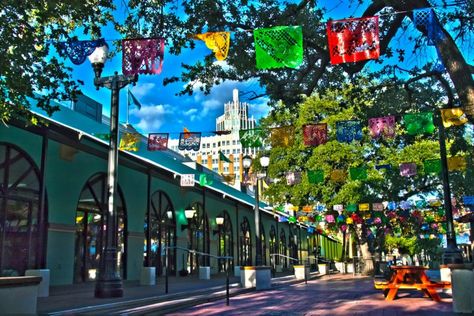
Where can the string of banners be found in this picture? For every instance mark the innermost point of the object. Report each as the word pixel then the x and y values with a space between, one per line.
pixel 313 134
pixel 427 214
pixel 349 40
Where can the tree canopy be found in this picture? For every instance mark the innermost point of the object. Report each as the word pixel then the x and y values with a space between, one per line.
pixel 399 42
pixel 29 30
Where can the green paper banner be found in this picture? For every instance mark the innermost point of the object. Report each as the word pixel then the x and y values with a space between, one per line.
pixel 359 173
pixel 205 179
pixel 315 176
pixel 432 166
pixel 251 138
pixel 351 207
pixel 278 47
pixel 419 123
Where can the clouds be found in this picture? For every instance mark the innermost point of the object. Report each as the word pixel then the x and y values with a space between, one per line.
pixel 143 89
pixel 198 111
pixel 212 105
pixel 152 117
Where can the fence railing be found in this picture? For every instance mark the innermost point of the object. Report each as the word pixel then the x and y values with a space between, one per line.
pixel 195 252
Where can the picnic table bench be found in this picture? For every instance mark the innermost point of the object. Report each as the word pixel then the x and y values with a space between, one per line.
pixel 410 278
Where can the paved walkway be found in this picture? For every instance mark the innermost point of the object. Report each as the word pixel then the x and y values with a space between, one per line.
pixel 71 297
pixel 329 295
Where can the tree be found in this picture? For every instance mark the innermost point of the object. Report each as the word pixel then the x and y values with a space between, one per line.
pixel 316 73
pixel 354 102
pixel 29 30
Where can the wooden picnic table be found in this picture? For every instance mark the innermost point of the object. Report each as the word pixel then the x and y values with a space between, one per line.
pixel 410 278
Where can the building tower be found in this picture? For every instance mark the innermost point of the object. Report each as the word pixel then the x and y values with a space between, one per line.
pixel 235 118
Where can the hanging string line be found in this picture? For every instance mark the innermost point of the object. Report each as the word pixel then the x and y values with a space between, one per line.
pixel 456 3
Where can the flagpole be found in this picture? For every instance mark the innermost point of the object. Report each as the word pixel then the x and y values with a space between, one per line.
pixel 128 103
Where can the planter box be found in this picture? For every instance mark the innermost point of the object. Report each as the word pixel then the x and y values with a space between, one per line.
pixel 43 287
pixel 19 295
pixel 148 276
pixel 258 277
pixel 301 272
pixel 204 273
pixel 323 268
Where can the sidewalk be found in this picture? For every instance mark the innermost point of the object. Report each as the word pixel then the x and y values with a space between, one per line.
pixel 332 295
pixel 79 298
pixel 336 294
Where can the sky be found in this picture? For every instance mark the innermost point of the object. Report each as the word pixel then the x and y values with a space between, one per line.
pixel 162 110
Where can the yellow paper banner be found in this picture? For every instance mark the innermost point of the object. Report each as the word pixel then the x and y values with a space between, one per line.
pixel 338 175
pixel 453 116
pixel 456 163
pixel 218 42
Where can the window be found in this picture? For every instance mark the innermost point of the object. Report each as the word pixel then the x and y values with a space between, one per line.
pixel 19 212
pixel 90 237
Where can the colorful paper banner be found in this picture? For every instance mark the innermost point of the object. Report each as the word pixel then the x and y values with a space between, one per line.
pixel 283 136
pixel 278 47
pixel 189 141
pixel 142 56
pixel 157 141
pixel 187 180
pixel 348 131
pixel 315 134
pixel 251 138
pixel 218 42
pixel 385 126
pixel 353 40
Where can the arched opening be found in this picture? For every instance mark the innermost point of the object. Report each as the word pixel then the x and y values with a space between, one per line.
pixel 199 239
pixel 90 233
pixel 162 233
pixel 226 244
pixel 245 243
pixel 282 249
pixel 273 245
pixel 19 212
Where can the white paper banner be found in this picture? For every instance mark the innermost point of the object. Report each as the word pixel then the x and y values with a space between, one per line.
pixel 187 180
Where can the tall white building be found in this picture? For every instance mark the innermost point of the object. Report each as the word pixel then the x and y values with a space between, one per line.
pixel 235 118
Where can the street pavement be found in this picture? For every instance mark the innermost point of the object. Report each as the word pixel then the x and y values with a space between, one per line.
pixel 329 295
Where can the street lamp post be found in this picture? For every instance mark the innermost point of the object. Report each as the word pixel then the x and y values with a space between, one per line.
pixel 264 162
pixel 109 283
pixel 452 254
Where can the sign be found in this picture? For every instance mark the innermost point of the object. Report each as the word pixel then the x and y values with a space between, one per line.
pixel 187 180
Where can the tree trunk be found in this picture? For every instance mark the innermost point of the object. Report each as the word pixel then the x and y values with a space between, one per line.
pixel 458 69
pixel 367 262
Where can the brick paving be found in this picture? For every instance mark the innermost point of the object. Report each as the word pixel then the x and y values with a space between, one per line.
pixel 329 295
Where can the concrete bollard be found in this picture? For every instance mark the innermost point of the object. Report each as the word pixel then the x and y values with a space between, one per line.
pixel 462 282
pixel 43 287
pixel 204 273
pixel 148 276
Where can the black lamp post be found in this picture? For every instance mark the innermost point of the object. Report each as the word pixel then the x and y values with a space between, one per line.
pixel 264 162
pixel 109 283
pixel 452 254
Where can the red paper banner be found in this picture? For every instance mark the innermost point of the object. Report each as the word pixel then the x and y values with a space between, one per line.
pixel 142 56
pixel 315 134
pixel 353 40
pixel 157 141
